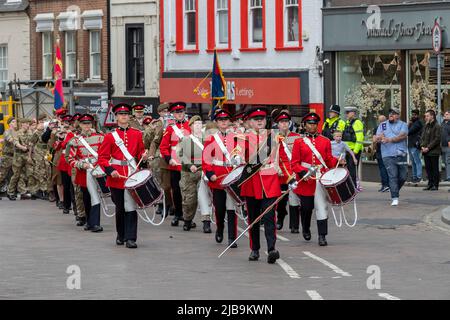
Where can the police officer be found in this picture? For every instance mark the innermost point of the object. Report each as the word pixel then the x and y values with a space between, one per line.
pixel 263 188
pixel 353 136
pixel 116 165
pixel 172 135
pixel 333 122
pixel 310 153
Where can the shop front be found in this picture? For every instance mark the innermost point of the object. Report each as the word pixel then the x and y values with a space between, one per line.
pixel 382 57
pixel 244 89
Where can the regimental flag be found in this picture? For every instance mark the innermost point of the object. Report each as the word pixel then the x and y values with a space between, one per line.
pixel 219 86
pixel 57 71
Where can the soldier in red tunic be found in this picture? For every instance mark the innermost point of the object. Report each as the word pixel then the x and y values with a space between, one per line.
pixel 219 159
pixel 263 188
pixel 168 146
pixel 114 162
pixel 286 139
pixel 312 153
pixel 62 165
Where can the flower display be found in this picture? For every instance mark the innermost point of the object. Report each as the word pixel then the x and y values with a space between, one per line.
pixel 369 99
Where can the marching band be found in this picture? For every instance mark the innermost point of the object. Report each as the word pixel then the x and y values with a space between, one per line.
pixel 233 167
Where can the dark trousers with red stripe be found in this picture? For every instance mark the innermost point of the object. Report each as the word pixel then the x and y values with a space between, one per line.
pixel 255 208
pixel 220 208
pixel 126 222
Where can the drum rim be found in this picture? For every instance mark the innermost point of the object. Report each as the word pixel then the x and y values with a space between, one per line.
pixel 347 174
pixel 234 180
pixel 140 184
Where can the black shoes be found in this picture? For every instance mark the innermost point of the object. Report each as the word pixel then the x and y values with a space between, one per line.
pixel 427 188
pixel 206 226
pixel 131 244
pixel 234 244
pixel 254 255
pixel 175 221
pixel 306 235
pixel 322 241
pixel 119 241
pixel 273 256
pixel 187 225
pixel 280 224
pixel 81 222
pixel 66 211
pixel 294 230
pixel 384 189
pixel 96 229
pixel 60 205
pixel 12 197
pixel 219 236
pixel 434 189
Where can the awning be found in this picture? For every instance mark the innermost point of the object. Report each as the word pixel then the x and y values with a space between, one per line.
pixel 44 22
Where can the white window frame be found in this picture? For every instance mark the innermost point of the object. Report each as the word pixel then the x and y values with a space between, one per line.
pixel 220 9
pixel 4 68
pixel 287 4
pixel 255 4
pixel 68 54
pixel 45 55
pixel 186 11
pixel 91 55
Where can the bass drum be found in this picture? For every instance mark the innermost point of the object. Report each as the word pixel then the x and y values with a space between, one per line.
pixel 339 186
pixel 144 189
pixel 231 185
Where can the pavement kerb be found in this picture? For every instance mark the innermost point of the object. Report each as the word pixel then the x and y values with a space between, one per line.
pixel 445 215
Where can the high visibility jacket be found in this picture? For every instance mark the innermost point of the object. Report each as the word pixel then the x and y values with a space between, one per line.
pixel 358 127
pixel 331 125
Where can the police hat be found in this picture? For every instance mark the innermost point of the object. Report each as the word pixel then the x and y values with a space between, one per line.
pixel 351 109
pixel 335 108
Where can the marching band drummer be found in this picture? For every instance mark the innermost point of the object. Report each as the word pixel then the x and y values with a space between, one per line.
pixel 286 139
pixel 263 188
pixel 217 162
pixel 123 146
pixel 83 156
pixel 311 152
pixel 172 135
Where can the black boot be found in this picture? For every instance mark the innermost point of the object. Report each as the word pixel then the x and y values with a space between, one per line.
pixel 159 210
pixel 322 240
pixel 230 241
pixel 119 241
pixel 207 226
pixel 232 228
pixel 12 197
pixel 131 244
pixel 322 228
pixel 273 256
pixel 81 221
pixel 187 225
pixel 254 255
pixel 175 221
pixel 219 236
pixel 305 216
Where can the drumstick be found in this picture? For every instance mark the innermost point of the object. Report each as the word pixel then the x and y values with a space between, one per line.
pixel 142 158
pixel 123 177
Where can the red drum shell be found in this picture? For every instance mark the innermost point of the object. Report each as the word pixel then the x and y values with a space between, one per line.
pixel 342 190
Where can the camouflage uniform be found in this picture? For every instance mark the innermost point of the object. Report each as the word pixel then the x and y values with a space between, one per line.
pixel 40 170
pixel 134 123
pixel 21 163
pixel 7 155
pixel 77 193
pixel 189 154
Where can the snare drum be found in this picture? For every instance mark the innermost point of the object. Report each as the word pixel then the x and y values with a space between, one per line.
pixel 230 184
pixel 339 186
pixel 101 181
pixel 143 188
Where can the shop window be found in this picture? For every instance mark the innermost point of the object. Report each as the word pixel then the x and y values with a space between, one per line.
pixel 3 66
pixel 135 58
pixel 47 46
pixel 71 54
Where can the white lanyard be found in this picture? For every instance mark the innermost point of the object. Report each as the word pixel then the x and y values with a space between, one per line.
pixel 222 146
pixel 177 131
pixel 314 150
pixel 286 149
pixel 123 148
pixel 197 142
pixel 88 147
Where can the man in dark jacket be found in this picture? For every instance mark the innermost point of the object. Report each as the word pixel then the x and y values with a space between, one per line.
pixel 415 127
pixel 445 139
pixel 431 149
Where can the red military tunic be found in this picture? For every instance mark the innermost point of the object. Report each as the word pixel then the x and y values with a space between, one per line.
pixel 169 143
pixel 303 154
pixel 133 141
pixel 214 161
pixel 285 161
pixel 265 182
pixel 62 164
pixel 78 153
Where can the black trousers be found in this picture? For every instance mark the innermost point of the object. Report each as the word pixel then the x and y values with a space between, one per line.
pixel 175 177
pixel 92 212
pixel 281 206
pixel 352 168
pixel 69 194
pixel 255 208
pixel 306 210
pixel 126 222
pixel 220 207
pixel 432 169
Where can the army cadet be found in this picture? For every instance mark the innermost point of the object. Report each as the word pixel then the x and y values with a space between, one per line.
pixel 263 188
pixel 21 161
pixel 8 151
pixel 172 135
pixel 286 139
pixel 121 149
pixel 138 118
pixel 333 122
pixel 353 136
pixel 83 157
pixel 152 140
pixel 189 152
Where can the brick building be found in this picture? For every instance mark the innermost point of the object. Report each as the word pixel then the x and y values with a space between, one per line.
pixel 82 29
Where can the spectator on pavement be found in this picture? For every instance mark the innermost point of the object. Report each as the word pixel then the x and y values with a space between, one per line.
pixel 381 167
pixel 415 128
pixel 445 143
pixel 392 135
pixel 431 149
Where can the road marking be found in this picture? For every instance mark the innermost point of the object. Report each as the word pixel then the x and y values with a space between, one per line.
pixel 315 277
pixel 287 268
pixel 278 236
pixel 314 295
pixel 338 277
pixel 387 296
pixel 328 264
